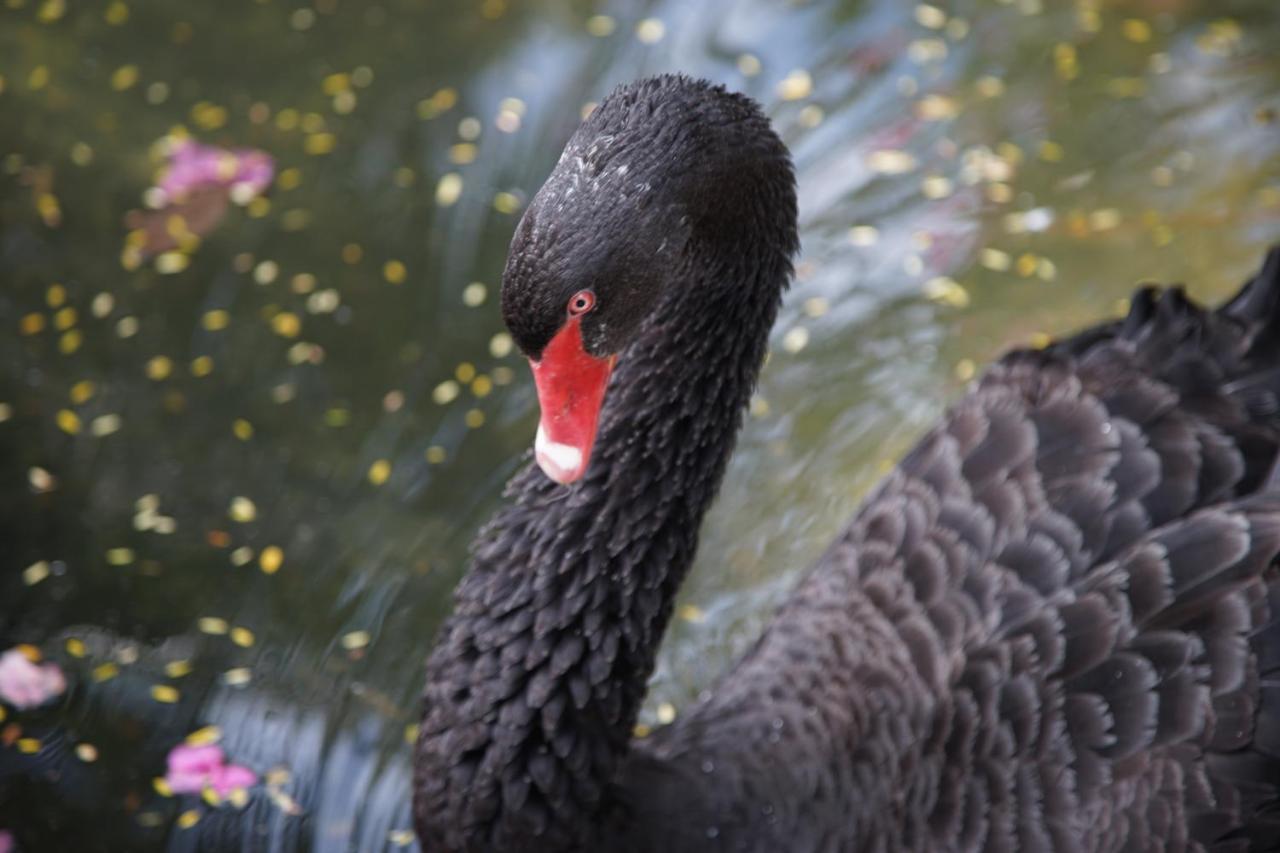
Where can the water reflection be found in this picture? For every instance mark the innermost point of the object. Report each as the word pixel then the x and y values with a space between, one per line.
pixel 251 479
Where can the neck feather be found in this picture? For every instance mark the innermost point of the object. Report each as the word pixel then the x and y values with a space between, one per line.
pixel 534 684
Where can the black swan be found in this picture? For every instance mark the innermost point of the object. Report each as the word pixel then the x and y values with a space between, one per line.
pixel 1055 626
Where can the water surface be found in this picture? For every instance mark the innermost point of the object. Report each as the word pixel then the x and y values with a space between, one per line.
pixel 263 462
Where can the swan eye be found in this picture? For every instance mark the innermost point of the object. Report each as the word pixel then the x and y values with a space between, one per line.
pixel 581 302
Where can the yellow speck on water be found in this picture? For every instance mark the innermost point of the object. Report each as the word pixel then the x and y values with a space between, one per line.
pixel 749 65
pixel 965 369
pixel 55 296
pixel 270 559
pixel 989 86
pixel 930 16
pixel 120 556
pixel 35 573
pixel 465 371
pixel 1040 340
pixel 759 406
pixel 994 259
pixel 242 637
pixel 265 272
pixel 864 235
pixel 75 647
pixel 666 713
pixel 1065 61
pixel 178 668
pixel 601 25
pixel 161 786
pixel 159 367
pixel 105 672
pixel 435 454
pixel 1026 265
pixel 462 153
pixel 28 745
pixel 401 837
pixel 201 366
pixel 449 189
pixel 355 640
pixel 237 677
pixel 168 263
pixel 319 143
pixel 64 319
pixel 164 693
pixel 68 421
pixel 116 13
pixel 1104 219
pixel 394 272
pixel 124 77
pixel 215 625
pixel 87 752
pixel 650 30
pixel 446 392
pixel 215 320
pixel 188 819
pixel 796 86
pixel 41 480
pixel 1136 30
pixel 936 187
pixel 936 108
pixel 242 429
pixel 242 556
pixel 891 162
pixel 286 324
pixel 946 290
pixel 352 253
pixel 31 324
pixel 506 202
pixel 691 613
pixel 82 392
pixel 70 341
pixel 795 339
pixel 242 509
pixel 640 730
pixel 379 472
pixel 474 418
pixel 482 386
pixel 442 101
pixel 500 345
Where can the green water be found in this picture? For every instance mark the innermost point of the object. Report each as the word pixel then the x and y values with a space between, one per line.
pixel 323 390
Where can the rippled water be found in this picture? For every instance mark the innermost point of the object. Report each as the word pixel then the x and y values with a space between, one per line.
pixel 265 466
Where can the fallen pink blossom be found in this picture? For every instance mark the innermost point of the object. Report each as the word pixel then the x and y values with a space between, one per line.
pixel 194 768
pixel 24 684
pixel 7 844
pixel 245 172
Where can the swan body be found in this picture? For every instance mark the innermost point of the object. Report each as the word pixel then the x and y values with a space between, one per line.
pixel 1054 626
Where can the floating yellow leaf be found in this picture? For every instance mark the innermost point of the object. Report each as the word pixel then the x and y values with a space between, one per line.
pixel 164 693
pixel 270 559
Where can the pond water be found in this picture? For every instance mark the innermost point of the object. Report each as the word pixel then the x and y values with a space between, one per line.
pixel 239 472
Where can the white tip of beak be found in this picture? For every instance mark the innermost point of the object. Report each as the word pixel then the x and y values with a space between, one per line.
pixel 560 462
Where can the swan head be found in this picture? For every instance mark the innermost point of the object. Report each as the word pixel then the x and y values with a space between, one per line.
pixel 667 175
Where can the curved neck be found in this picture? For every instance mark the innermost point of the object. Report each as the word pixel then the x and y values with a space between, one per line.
pixel 535 682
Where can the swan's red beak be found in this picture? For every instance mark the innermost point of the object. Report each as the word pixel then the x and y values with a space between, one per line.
pixel 571 385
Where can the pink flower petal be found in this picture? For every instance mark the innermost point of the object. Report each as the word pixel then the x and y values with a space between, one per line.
pixel 227 779
pixel 24 684
pixel 193 165
pixel 7 844
pixel 185 758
